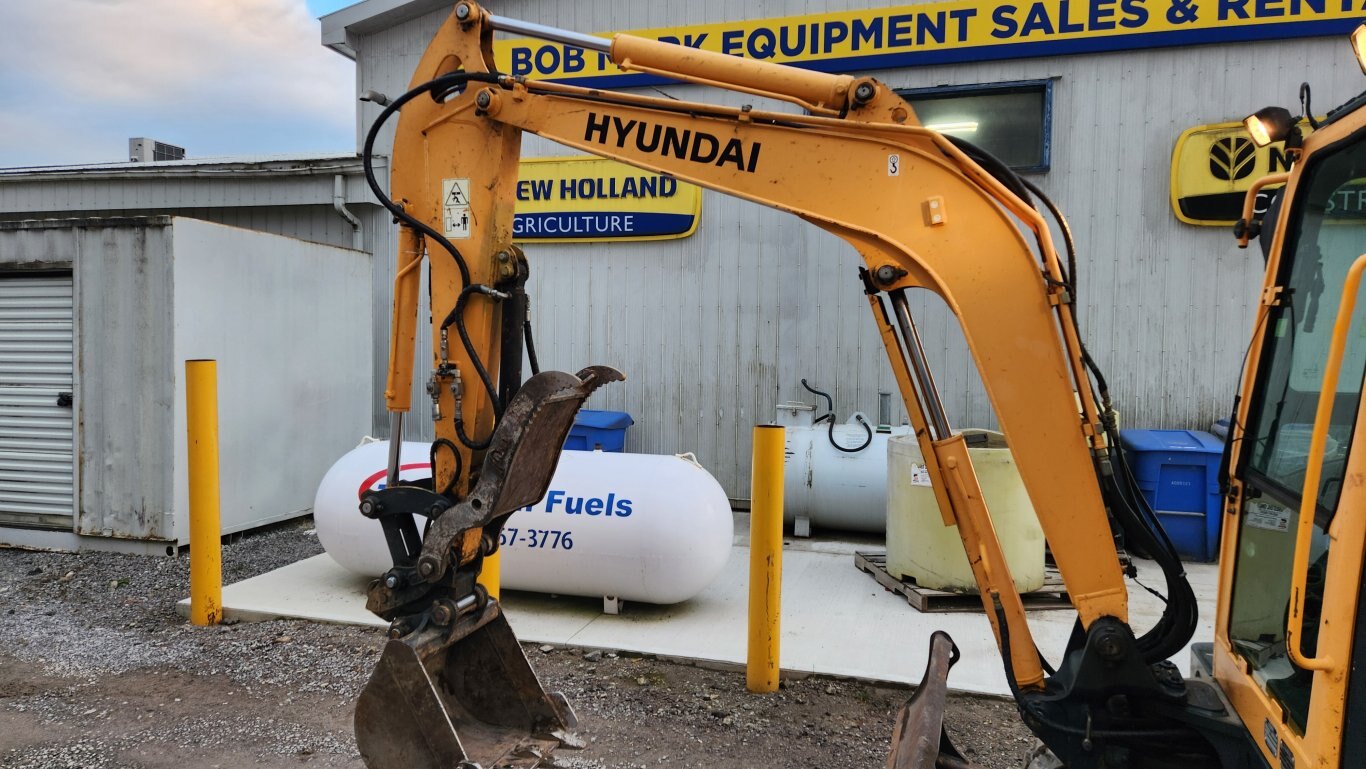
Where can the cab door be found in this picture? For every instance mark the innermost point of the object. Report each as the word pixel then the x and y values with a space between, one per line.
pixel 1307 708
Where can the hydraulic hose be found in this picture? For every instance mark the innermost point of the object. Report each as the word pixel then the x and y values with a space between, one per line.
pixel 443 84
pixel 1119 488
pixel 530 343
pixel 439 87
pixel 437 445
pixel 456 317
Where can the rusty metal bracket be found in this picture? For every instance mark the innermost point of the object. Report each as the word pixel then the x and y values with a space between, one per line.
pixel 521 459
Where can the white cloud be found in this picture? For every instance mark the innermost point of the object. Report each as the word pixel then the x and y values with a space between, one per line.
pixel 217 76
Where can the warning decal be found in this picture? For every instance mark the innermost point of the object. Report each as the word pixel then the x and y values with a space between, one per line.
pixel 455 207
pixel 1269 516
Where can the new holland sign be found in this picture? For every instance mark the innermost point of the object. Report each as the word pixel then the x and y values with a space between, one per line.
pixel 585 198
pixel 1212 168
pixel 945 31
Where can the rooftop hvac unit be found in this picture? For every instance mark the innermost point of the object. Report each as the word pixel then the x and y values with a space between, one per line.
pixel 144 150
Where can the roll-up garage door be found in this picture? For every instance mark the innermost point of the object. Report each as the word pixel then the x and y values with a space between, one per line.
pixel 36 414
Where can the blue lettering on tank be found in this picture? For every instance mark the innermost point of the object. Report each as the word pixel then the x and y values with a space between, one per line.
pixel 612 506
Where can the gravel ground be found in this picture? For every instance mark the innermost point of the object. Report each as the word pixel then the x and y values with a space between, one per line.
pixel 98 670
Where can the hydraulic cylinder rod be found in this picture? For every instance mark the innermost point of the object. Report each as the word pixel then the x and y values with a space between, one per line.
pixel 542 32
pixel 929 393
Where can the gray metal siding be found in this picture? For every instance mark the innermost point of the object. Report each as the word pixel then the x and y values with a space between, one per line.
pixel 288 324
pixel 714 330
pixel 78 198
pixel 124 397
pixel 123 390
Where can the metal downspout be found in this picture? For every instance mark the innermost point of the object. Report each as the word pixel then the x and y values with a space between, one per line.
pixel 339 203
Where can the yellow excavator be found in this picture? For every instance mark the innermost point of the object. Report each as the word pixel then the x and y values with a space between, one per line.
pixel 1278 688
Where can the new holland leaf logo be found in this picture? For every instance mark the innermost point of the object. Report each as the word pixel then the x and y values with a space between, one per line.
pixel 1232 158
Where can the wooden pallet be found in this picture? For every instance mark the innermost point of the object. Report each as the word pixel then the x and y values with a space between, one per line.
pixel 1053 595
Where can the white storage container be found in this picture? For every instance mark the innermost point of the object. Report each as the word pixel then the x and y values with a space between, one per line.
pixel 921 547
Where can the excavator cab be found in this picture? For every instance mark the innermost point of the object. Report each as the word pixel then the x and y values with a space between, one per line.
pixel 1287 636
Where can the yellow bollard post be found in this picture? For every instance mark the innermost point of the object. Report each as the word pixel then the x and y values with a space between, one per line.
pixel 206 557
pixel 765 558
pixel 491 573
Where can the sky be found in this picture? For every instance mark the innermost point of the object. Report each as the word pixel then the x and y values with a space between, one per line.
pixel 78 78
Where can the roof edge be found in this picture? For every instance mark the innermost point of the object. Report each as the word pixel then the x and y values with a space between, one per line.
pixel 86 221
pixel 245 166
pixel 368 16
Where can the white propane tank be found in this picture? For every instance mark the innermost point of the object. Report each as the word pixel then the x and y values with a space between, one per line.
pixel 828 487
pixel 638 527
pixel 921 547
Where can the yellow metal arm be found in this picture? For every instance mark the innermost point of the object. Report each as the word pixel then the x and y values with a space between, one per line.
pixel 921 214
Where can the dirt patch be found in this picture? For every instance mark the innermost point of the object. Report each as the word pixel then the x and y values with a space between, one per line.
pixel 97 671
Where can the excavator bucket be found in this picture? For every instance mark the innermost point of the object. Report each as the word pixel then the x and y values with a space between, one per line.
pixel 919 740
pixel 453 689
pixel 475 703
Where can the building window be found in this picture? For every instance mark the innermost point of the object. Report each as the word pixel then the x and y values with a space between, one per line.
pixel 1012 121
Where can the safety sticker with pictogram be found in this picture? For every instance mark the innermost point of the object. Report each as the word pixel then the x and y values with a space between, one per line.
pixel 455 207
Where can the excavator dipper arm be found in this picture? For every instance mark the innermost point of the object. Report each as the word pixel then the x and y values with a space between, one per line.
pixel 923 212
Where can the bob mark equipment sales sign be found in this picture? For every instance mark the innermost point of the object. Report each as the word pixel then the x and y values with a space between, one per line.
pixel 585 198
pixel 945 31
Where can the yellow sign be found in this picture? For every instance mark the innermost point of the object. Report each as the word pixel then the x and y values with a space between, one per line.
pixel 945 31
pixel 1212 168
pixel 577 199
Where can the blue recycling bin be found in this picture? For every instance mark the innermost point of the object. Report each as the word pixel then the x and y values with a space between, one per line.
pixel 1178 473
pixel 593 430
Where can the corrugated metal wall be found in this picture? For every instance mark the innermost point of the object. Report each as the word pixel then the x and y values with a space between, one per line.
pixel 289 324
pixel 123 365
pixel 249 204
pixel 714 330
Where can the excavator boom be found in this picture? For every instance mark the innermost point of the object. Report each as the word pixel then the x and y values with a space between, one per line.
pixel 923 211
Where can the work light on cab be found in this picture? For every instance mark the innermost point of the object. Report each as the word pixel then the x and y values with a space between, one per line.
pixel 1269 124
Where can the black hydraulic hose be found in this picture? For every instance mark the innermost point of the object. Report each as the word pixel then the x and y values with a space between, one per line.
pixel 1136 518
pixel 830 433
pixel 442 84
pixel 829 402
pixel 441 443
pixel 1070 279
pixel 457 318
pixel 530 343
pixel 1069 244
pixel 530 347
pixel 992 165
pixel 1027 708
pixel 438 87
pixel 1180 614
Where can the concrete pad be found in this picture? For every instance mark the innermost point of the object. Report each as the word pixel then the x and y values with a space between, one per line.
pixel 836 619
